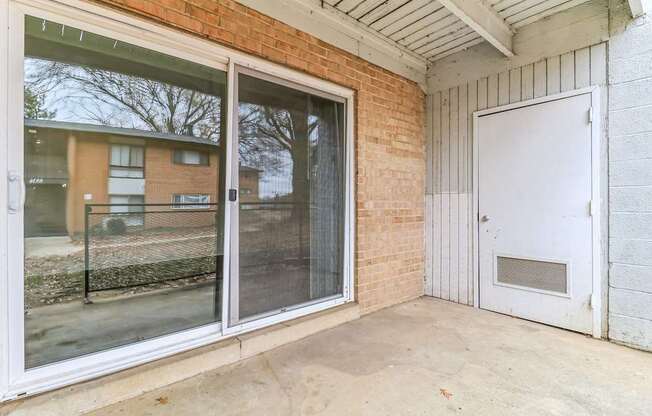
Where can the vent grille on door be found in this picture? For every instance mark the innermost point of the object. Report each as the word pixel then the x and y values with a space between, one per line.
pixel 534 274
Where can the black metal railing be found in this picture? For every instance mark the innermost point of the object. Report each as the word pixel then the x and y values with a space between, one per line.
pixel 135 245
pixel 132 245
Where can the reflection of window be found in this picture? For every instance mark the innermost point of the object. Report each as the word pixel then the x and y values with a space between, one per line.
pixel 129 205
pixel 245 191
pixel 190 157
pixel 191 199
pixel 126 161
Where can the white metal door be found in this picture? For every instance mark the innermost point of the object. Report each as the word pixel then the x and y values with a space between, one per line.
pixel 534 212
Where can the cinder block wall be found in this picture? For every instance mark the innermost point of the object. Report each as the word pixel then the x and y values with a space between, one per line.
pixel 389 137
pixel 630 177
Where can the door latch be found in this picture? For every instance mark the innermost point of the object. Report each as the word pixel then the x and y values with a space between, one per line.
pixel 16 202
pixel 233 195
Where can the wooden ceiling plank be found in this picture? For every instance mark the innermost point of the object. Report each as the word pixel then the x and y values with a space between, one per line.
pixel 485 21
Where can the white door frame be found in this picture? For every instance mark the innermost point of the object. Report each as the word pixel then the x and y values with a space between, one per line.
pixel 596 212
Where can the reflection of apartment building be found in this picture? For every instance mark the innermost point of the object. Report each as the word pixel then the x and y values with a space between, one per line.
pixel 249 182
pixel 69 165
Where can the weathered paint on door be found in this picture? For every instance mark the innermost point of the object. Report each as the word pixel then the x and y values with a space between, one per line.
pixel 534 204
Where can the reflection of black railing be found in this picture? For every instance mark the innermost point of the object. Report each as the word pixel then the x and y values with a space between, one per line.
pixel 132 245
pixel 282 227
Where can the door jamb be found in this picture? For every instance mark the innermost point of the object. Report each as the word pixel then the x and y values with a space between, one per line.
pixel 596 211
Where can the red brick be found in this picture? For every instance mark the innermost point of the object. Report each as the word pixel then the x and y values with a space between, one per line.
pixel 389 135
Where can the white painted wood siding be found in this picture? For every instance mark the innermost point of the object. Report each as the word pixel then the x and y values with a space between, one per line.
pixel 449 187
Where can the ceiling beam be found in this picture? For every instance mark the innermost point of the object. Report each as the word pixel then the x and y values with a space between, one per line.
pixel 636 7
pixel 485 21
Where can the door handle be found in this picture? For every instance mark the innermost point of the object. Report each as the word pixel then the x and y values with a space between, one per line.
pixel 484 218
pixel 16 202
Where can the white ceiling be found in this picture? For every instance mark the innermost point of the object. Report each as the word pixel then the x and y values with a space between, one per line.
pixel 430 30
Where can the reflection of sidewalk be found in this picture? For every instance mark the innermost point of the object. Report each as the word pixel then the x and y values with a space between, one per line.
pixel 70 329
pixel 50 246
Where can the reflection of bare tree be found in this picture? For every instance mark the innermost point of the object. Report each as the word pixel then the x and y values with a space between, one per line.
pixel 269 136
pixel 121 100
pixel 270 139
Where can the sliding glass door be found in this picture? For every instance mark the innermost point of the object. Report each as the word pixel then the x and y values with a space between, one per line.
pixel 290 213
pixel 161 196
pixel 124 212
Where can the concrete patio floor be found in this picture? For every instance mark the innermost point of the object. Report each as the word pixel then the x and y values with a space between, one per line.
pixel 425 357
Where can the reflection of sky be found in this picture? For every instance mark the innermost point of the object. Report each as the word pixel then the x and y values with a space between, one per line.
pixel 278 181
pixel 67 103
pixel 72 100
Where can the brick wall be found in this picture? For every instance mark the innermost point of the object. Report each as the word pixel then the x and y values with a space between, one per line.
pixel 163 178
pixel 389 136
pixel 90 154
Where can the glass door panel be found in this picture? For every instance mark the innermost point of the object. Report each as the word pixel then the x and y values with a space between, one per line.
pixel 291 179
pixel 124 215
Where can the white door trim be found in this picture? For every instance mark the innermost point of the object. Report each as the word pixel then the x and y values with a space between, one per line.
pixel 594 91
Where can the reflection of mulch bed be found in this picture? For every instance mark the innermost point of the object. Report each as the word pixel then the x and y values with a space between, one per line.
pixel 53 279
pixel 143 274
pixel 153 259
pixel 66 285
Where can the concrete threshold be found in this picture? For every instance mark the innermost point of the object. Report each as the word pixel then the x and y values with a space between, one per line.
pixel 104 391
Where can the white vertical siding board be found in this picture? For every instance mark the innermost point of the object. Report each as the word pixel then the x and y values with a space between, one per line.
pixel 427 287
pixel 462 97
pixel 492 91
pixel 567 71
pixel 455 190
pixel 540 79
pixel 515 85
pixel 475 92
pixel 463 191
pixel 503 88
pixel 463 244
pixel 482 95
pixel 582 68
pixel 445 196
pixel 429 138
pixel 553 75
pixel 599 65
pixel 436 201
pixel 527 82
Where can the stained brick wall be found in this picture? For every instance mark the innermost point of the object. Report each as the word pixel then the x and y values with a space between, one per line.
pixel 389 137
